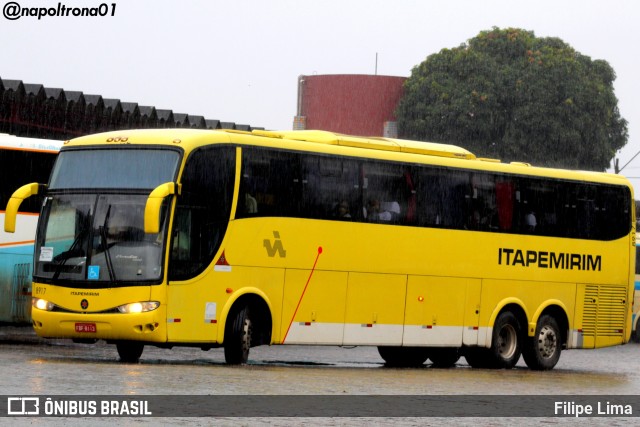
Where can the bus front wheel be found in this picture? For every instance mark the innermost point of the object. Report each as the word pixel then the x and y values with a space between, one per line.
pixel 237 341
pixel 542 351
pixel 129 351
pixel 403 357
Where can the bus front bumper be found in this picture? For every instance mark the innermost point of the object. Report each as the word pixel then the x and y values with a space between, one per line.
pixel 149 326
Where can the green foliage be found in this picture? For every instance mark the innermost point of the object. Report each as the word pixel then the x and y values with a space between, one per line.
pixel 510 95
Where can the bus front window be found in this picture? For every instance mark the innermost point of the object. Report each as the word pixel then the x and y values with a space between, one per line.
pixel 97 239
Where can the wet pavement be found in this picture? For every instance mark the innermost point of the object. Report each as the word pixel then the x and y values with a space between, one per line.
pixel 33 366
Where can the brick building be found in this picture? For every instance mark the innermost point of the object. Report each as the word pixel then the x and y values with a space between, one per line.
pixel 353 104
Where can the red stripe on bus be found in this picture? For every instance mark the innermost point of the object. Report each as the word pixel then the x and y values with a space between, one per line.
pixel 26 242
pixel 303 291
pixel 23 213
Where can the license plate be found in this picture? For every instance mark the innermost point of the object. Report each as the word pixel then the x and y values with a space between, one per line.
pixel 86 327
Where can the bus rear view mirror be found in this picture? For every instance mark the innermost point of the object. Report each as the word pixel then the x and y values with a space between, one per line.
pixel 16 199
pixel 154 203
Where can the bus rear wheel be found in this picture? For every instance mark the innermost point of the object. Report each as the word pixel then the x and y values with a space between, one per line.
pixel 403 357
pixel 237 341
pixel 542 351
pixel 129 351
pixel 505 343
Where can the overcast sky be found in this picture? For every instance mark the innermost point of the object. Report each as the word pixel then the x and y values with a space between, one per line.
pixel 238 60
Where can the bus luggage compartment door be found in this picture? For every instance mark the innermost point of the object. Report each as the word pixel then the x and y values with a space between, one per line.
pixel 441 311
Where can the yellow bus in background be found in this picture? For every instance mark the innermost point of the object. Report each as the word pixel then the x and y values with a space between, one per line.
pixel 236 239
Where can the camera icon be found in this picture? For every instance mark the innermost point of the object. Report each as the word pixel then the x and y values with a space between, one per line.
pixel 23 406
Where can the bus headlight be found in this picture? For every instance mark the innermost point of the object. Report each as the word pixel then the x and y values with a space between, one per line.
pixel 42 304
pixel 138 307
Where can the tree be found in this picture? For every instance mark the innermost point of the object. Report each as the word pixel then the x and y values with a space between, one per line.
pixel 510 95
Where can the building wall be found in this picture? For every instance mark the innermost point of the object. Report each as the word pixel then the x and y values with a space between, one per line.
pixel 349 103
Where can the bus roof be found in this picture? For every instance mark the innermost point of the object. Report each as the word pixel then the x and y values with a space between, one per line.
pixel 375 143
pixel 12 142
pixel 329 142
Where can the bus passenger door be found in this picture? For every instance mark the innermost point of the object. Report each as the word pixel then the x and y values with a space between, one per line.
pixel 375 309
pixel 196 291
pixel 441 311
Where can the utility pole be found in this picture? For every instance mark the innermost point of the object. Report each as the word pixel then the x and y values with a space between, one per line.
pixel 619 169
pixel 376 70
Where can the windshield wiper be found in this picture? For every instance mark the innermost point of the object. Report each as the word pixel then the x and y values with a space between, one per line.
pixel 68 254
pixel 105 248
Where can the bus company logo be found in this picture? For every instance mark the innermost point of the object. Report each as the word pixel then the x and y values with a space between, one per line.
pixel 84 304
pixel 549 259
pixel 275 247
pixel 23 406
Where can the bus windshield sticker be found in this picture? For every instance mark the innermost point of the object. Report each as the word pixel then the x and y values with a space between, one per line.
pixel 93 272
pixel 46 254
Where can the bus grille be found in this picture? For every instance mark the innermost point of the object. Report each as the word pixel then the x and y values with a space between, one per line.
pixel 604 310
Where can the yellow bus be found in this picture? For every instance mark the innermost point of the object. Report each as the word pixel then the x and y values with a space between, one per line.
pixel 636 297
pixel 236 239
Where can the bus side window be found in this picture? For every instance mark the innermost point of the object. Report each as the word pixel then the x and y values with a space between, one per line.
pixel 272 178
pixel 289 184
pixel 21 167
pixel 181 246
pixel 386 193
pixel 328 183
pixel 247 203
pixel 202 211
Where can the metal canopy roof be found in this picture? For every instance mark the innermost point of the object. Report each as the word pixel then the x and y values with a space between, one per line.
pixel 32 110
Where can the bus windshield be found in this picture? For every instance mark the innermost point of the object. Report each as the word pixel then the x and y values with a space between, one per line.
pixel 92 226
pixel 97 239
pixel 114 168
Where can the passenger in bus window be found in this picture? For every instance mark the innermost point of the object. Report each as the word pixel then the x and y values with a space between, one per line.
pixel 181 247
pixel 392 208
pixel 250 204
pixel 342 210
pixel 530 221
pixel 474 221
pixel 374 211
